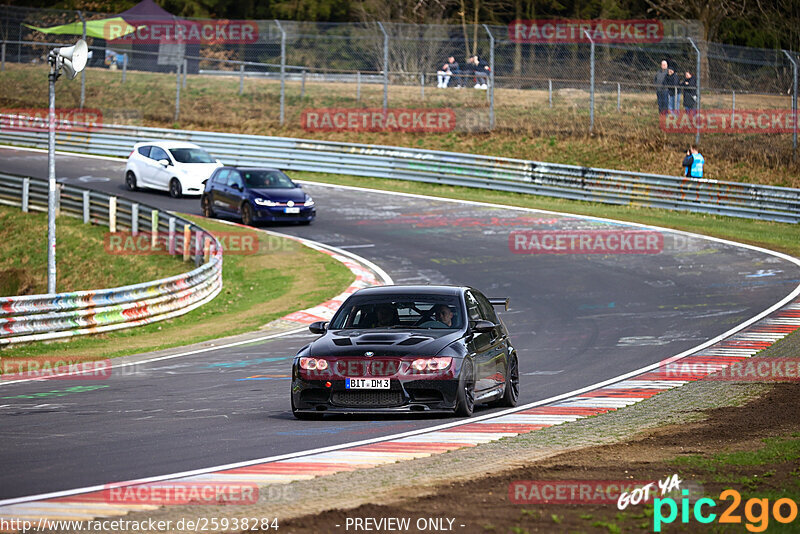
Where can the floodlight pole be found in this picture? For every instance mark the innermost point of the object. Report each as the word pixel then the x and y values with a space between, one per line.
pixel 51 176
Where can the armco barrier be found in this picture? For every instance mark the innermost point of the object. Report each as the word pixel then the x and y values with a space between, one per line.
pixel 451 168
pixel 39 317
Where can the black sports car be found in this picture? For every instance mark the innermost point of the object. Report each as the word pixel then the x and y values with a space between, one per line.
pixel 407 349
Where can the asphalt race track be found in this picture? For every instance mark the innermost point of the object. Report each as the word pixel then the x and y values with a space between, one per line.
pixel 576 319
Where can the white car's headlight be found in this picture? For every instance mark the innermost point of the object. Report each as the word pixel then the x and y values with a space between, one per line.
pixel 265 202
pixel 309 202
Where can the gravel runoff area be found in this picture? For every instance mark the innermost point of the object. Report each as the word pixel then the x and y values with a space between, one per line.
pixel 639 442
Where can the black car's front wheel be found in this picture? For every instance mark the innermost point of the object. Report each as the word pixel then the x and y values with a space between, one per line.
pixel 465 399
pixel 511 393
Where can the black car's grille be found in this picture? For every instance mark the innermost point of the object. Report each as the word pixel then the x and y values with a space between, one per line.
pixel 367 399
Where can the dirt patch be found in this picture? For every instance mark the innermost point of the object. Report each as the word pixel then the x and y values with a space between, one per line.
pixel 484 505
pixel 16 282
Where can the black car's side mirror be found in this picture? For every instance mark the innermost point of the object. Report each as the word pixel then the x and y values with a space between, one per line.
pixel 483 327
pixel 318 327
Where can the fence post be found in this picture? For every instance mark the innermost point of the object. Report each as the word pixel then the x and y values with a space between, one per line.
pixel 124 67
pixel 283 71
pixel 385 67
pixel 177 91
pixel 697 68
pixel 206 249
pixel 241 79
pixel 135 219
pixel 26 189
pixel 112 214
pixel 303 85
pixel 83 72
pixel 733 105
pixel 619 98
pixel 550 92
pixel 3 54
pixel 153 228
pixel 187 238
pixel 422 85
pixel 87 208
pixel 185 68
pixel 591 83
pixel 794 103
pixel 358 86
pixel 172 236
pixel 491 77
pixel 198 249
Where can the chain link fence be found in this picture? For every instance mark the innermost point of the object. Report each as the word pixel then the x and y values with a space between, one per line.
pixel 540 88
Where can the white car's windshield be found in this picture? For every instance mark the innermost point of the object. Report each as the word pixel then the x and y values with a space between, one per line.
pixel 191 155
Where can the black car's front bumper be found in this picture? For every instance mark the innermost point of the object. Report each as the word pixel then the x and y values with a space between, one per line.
pixel 411 396
pixel 278 214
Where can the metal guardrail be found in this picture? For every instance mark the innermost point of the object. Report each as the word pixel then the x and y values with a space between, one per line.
pixel 40 317
pixel 505 174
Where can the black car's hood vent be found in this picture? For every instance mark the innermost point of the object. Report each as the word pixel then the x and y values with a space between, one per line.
pixel 386 342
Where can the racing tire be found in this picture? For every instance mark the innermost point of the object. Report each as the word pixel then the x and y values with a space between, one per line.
pixel 130 181
pixel 247 215
pixel 465 398
pixel 175 189
pixel 208 211
pixel 511 393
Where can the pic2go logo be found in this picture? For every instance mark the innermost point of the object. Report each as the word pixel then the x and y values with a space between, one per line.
pixel 756 511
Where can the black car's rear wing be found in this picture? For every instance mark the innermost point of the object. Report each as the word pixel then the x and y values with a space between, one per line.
pixel 500 302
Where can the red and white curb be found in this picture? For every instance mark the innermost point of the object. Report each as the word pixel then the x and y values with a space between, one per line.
pixel 89 503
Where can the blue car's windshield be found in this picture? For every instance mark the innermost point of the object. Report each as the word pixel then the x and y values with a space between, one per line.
pixel 267 180
pixel 191 155
pixel 399 311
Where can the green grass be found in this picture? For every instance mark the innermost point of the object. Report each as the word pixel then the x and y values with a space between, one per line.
pixel 282 277
pixel 81 258
pixel 782 237
pixel 775 450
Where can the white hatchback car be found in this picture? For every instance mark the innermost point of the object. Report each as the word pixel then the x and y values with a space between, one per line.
pixel 175 166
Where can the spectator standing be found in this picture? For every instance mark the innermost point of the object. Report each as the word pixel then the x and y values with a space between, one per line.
pixel 689 85
pixel 661 90
pixel 443 76
pixel 672 82
pixel 693 163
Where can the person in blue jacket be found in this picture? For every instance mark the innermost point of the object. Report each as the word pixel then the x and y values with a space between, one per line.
pixel 693 163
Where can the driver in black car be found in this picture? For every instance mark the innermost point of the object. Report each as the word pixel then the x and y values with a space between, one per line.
pixel 443 317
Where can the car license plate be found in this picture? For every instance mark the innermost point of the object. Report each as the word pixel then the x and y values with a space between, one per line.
pixel 367 383
pixel 292 210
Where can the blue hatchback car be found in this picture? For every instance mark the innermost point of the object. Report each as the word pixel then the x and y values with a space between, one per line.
pixel 256 195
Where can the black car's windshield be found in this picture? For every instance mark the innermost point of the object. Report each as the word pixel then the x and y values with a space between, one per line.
pixel 191 155
pixel 267 180
pixel 399 311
